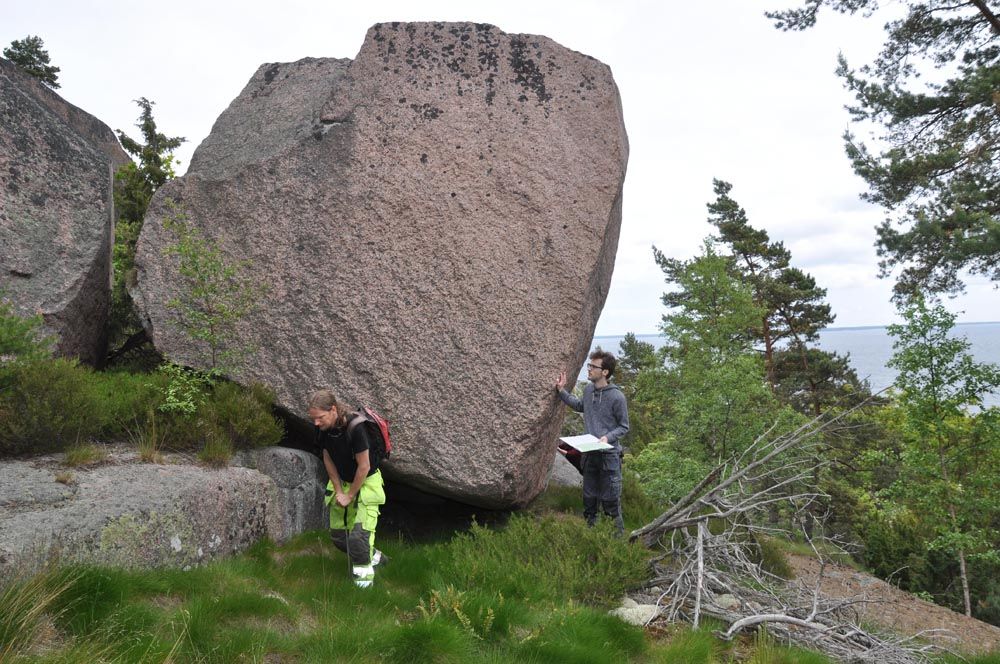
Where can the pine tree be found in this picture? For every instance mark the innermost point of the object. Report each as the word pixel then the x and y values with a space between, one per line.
pixel 938 174
pixel 793 309
pixel 30 55
pixel 135 184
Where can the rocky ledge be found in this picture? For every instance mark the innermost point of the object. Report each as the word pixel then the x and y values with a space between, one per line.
pixel 127 513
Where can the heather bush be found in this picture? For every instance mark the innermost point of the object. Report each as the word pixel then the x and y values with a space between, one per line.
pixel 47 406
pixel 243 415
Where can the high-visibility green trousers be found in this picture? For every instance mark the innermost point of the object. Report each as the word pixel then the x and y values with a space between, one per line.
pixel 352 528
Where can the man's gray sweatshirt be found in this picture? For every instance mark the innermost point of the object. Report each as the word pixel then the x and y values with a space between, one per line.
pixel 604 411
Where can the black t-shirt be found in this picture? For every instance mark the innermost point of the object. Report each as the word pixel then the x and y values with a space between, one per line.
pixel 342 451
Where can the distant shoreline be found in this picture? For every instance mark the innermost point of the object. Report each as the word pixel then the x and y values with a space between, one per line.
pixel 825 329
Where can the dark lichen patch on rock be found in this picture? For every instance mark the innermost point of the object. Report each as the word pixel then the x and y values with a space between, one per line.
pixel 488 55
pixel 526 71
pixel 490 89
pixel 426 111
pixel 271 73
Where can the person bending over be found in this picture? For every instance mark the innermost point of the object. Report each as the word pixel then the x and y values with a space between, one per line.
pixel 355 491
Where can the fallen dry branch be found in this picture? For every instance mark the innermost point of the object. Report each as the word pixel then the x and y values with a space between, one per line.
pixel 711 565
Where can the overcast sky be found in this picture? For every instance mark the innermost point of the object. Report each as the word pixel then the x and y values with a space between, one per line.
pixel 709 89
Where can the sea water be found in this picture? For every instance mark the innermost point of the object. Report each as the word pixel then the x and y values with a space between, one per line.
pixel 868 349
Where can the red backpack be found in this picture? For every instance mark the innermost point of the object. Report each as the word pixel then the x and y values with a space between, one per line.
pixel 377 428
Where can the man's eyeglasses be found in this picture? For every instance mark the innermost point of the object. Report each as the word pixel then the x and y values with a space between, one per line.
pixel 595 366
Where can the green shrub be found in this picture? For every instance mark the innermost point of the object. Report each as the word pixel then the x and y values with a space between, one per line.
pixel 177 431
pixel 50 405
pixel 987 584
pixel 667 473
pixel 556 498
pixel 21 338
pixel 771 556
pixel 243 415
pixel 126 399
pixel 894 546
pixel 216 417
pixel 638 508
pixel 185 390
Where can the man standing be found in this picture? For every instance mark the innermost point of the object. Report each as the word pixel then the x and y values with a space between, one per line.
pixel 605 415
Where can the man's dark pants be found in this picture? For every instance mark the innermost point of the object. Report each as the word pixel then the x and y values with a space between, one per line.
pixel 602 484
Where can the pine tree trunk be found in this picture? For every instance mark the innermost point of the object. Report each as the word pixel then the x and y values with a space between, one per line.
pixel 768 352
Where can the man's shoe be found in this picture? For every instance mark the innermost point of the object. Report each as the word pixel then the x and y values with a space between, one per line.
pixel 379 558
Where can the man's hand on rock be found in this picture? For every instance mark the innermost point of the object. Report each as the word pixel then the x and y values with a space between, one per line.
pixel 561 381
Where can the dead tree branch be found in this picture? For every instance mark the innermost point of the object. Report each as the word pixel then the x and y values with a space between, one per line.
pixel 711 564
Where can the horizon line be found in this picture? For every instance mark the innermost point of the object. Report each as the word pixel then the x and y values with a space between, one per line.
pixel 825 329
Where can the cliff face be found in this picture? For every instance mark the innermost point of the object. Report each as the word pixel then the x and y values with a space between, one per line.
pixel 57 167
pixel 436 221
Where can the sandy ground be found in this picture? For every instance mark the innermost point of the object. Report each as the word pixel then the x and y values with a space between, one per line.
pixel 897 610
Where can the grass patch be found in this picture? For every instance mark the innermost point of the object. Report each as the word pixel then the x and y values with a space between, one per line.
pixel 536 590
pixel 26 606
pixel 84 454
pixel 145 434
pixel 554 557
pixel 767 651
pixel 990 658
pixel 683 644
pixel 217 450
pixel 515 594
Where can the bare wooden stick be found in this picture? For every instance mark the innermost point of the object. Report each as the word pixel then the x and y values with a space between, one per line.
pixel 701 572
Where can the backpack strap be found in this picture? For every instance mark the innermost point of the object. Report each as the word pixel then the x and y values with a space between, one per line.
pixel 355 421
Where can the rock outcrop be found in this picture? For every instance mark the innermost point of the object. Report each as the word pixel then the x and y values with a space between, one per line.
pixel 436 221
pixel 132 514
pixel 563 473
pixel 57 166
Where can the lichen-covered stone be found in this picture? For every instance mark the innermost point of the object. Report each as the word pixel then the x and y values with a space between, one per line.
pixel 437 222
pixel 57 166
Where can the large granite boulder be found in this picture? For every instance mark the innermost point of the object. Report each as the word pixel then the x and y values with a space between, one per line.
pixel 57 166
pixel 436 221
pixel 133 514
